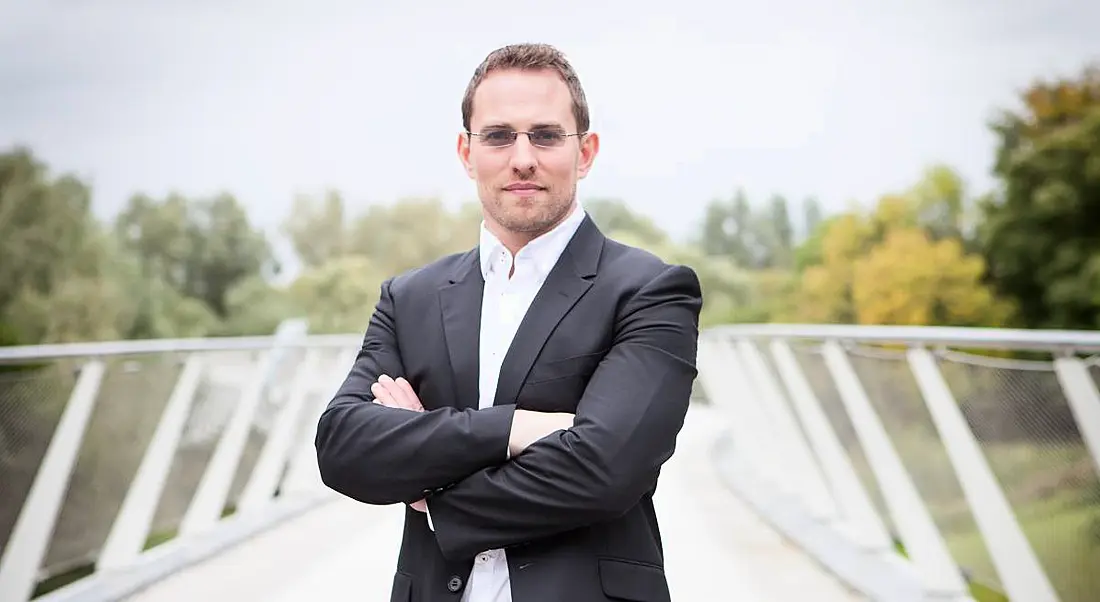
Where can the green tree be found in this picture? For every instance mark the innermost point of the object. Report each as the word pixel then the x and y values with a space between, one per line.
pixel 255 307
pixel 904 262
pixel 1039 233
pixel 200 248
pixel 59 276
pixel 44 225
pixel 941 203
pixel 778 232
pixel 318 229
pixel 412 232
pixel 812 217
pixel 338 296
pixel 943 288
pixel 613 215
pixel 753 239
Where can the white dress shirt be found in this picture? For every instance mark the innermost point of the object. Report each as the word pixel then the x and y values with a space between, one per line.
pixel 504 303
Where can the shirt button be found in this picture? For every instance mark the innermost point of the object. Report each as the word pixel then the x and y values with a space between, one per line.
pixel 483 558
pixel 455 583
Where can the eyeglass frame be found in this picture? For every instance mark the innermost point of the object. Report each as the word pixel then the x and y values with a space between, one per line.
pixel 515 136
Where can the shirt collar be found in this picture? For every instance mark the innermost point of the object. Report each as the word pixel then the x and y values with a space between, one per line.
pixel 544 251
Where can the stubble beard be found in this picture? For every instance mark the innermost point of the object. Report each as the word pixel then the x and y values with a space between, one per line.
pixel 537 218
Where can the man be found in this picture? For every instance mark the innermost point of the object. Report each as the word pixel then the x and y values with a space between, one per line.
pixel 521 397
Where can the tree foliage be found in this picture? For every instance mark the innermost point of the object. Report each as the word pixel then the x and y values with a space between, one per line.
pixel 201 248
pixel 911 279
pixel 1026 253
pixel 1041 230
pixel 903 262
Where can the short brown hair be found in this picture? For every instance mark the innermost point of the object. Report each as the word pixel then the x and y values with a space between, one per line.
pixel 528 57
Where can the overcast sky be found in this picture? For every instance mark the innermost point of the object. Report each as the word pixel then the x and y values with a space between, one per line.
pixel 842 99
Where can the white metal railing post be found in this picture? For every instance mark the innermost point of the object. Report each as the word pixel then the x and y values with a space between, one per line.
pixel 303 475
pixel 858 513
pixel 126 539
pixel 729 393
pixel 738 384
pixel 923 541
pixel 29 544
pixel 812 488
pixel 264 479
pixel 710 375
pixel 209 500
pixel 1020 572
pixel 34 527
pixel 762 443
pixel 1084 402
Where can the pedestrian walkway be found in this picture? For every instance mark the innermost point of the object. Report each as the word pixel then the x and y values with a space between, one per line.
pixel 716 548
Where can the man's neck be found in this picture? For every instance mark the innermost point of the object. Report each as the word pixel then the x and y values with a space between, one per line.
pixel 515 241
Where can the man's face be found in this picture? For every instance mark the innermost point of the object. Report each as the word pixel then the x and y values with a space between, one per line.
pixel 525 189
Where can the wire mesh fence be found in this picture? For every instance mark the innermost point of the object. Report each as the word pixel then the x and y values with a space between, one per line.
pixel 1026 430
pixel 130 404
pixel 131 398
pixel 32 399
pixel 1016 409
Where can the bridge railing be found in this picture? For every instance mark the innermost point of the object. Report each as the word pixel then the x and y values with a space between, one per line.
pixel 122 462
pixel 920 463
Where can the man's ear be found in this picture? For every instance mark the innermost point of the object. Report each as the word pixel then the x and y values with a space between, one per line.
pixel 464 153
pixel 590 147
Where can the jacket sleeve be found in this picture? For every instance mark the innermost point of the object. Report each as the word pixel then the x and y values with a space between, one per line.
pixel 381 455
pixel 625 429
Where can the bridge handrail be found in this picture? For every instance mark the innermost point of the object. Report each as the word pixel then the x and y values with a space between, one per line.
pixel 152 346
pixel 288 389
pixel 801 405
pixel 1066 341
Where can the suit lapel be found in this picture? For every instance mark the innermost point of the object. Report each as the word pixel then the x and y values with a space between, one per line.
pixel 460 302
pixel 567 282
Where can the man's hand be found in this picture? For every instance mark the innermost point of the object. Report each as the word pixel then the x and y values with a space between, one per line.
pixel 398 394
pixel 528 427
pixel 395 394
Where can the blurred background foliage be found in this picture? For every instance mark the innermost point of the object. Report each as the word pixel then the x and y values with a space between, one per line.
pixel 1026 254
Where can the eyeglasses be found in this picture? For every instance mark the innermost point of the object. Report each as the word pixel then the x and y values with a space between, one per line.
pixel 540 138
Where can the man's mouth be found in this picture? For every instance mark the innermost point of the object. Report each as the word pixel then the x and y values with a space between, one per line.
pixel 523 187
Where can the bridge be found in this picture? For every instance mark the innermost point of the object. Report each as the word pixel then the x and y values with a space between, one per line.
pixel 817 463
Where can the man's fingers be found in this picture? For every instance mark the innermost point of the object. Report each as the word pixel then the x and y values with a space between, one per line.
pixel 396 393
pixel 399 396
pixel 406 387
pixel 409 393
pixel 381 395
pixel 419 506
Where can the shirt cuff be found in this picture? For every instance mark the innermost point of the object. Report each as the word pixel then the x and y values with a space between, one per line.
pixel 429 514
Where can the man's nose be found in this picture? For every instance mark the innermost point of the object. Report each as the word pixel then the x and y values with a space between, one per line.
pixel 523 155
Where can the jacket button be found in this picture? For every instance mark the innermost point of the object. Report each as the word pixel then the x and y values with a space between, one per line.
pixel 455 583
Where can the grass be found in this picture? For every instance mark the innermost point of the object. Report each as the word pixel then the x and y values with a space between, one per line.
pixel 983 593
pixel 980 591
pixel 1054 493
pixel 60 580
pixel 1066 541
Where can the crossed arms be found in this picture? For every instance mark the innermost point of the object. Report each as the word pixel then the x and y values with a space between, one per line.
pixel 624 429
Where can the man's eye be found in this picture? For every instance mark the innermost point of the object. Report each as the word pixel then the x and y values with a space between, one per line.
pixel 498 136
pixel 546 138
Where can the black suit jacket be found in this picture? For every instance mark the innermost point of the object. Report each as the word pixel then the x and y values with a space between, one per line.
pixel 611 337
